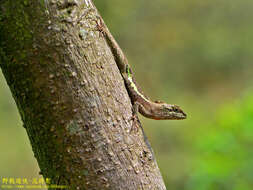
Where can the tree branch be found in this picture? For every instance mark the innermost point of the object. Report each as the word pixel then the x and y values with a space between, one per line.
pixel 71 97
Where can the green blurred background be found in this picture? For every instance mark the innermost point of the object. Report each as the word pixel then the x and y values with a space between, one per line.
pixel 194 53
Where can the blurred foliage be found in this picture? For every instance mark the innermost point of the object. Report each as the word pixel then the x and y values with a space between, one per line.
pixel 193 53
pixel 223 158
pixel 16 158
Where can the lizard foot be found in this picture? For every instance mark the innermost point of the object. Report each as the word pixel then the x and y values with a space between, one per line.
pixel 100 27
pixel 135 123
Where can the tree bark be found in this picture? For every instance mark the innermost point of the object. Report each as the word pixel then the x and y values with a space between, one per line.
pixel 72 98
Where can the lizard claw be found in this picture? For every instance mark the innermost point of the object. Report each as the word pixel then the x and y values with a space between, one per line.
pixel 100 27
pixel 135 123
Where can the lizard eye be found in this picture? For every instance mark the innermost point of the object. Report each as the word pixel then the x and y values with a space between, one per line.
pixel 176 109
pixel 169 109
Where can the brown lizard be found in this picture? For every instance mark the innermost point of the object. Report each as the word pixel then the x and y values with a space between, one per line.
pixel 151 109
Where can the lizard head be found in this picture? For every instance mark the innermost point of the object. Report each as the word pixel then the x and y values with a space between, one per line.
pixel 173 112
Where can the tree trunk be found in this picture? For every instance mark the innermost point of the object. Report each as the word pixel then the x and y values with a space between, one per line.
pixel 72 98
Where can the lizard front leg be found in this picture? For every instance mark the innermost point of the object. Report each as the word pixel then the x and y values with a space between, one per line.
pixel 134 117
pixel 137 106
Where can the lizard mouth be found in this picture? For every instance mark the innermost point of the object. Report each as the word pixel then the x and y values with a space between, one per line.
pixel 180 116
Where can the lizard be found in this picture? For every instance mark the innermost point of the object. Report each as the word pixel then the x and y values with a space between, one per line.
pixel 157 110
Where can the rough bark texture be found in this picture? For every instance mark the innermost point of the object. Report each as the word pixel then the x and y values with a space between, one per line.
pixel 71 97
